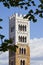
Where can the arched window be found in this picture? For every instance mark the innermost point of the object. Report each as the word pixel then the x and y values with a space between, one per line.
pixel 23 62
pixel 21 27
pixel 25 27
pixel 24 51
pixel 21 39
pixel 25 39
pixel 20 50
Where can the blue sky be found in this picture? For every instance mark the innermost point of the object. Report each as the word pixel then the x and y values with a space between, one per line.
pixel 36 29
pixel 36 35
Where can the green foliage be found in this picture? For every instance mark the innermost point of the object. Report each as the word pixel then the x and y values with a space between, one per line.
pixel 33 3
pixel 12 47
pixel 26 4
pixel 7 45
pixel 8 41
pixel 2 36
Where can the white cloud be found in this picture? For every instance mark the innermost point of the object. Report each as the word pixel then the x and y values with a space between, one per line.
pixel 36 47
pixel 36 53
pixel 4 58
pixel 35 62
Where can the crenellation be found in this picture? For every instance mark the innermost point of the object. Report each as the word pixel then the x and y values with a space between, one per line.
pixel 18 16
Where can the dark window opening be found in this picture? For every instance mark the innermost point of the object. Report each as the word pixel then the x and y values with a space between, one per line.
pixel 25 39
pixel 22 39
pixel 22 62
pixel 20 50
pixel 22 27
pixel 25 27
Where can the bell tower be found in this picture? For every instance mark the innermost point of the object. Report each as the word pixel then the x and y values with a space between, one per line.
pixel 19 32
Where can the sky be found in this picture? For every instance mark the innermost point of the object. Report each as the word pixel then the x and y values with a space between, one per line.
pixel 36 35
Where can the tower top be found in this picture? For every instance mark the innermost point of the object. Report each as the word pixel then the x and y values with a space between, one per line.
pixel 18 16
pixel 19 29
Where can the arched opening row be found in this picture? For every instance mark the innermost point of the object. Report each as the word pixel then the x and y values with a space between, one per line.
pixel 22 51
pixel 22 39
pixel 22 27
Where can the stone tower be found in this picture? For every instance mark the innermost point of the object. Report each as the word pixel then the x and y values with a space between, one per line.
pixel 19 32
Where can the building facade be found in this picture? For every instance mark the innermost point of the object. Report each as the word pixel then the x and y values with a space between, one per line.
pixel 19 32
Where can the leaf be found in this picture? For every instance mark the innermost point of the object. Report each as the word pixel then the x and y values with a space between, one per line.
pixel 32 17
pixel 0 27
pixel 34 20
pixel 27 16
pixel 12 47
pixel 16 46
pixel 1 19
pixel 7 46
pixel 6 5
pixel 28 4
pixel 33 3
pixel 40 6
pixel 41 15
pixel 31 11
pixel 37 11
pixel 2 0
pixel 3 47
pixel 21 6
pixel 8 41
pixel 0 49
pixel 29 0
pixel 2 36
pixel 41 1
pixel 12 3
pixel 26 7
